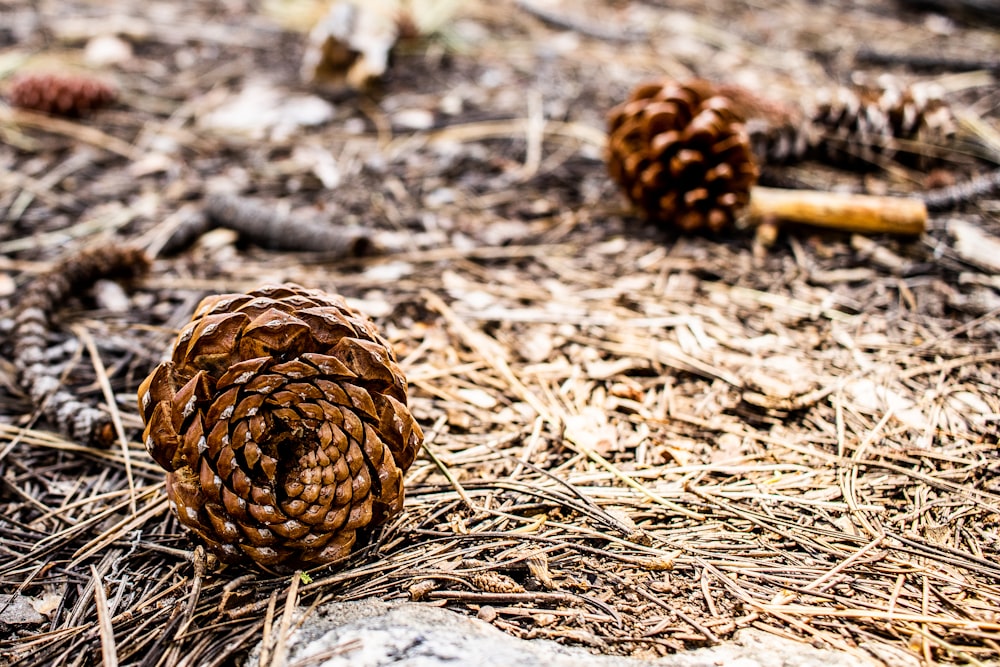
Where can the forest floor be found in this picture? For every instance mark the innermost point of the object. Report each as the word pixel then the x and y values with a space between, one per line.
pixel 656 439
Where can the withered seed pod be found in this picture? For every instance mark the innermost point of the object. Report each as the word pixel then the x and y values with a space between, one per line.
pixel 283 425
pixel 680 153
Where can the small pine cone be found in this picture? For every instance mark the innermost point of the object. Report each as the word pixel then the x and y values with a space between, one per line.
pixel 281 420
pixel 35 309
pixel 681 154
pixel 858 126
pixel 64 95
pixel 495 582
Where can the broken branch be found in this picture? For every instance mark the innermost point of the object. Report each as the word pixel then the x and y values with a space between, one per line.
pixel 865 214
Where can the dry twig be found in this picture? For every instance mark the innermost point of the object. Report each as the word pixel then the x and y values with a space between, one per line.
pixel 275 230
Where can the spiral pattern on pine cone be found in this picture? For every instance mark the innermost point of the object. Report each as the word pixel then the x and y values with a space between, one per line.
pixel 282 421
pixel 680 153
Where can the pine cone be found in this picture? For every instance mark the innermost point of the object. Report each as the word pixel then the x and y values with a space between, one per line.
pixel 66 95
pixel 34 315
pixel 680 152
pixel 859 126
pixel 282 422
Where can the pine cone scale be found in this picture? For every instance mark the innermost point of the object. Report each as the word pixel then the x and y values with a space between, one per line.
pixel 160 429
pixel 661 117
pixel 193 444
pixel 295 369
pixel 263 502
pixel 210 344
pixel 243 372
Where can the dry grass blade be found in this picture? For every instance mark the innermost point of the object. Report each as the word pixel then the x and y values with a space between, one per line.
pixel 459 489
pixel 618 474
pixel 803 610
pixel 489 350
pixel 116 418
pixel 284 630
pixel 109 653
pixel 82 133
pixel 154 507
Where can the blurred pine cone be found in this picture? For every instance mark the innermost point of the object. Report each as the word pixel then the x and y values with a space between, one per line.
pixel 779 133
pixel 680 152
pixel 859 126
pixel 64 95
pixel 282 422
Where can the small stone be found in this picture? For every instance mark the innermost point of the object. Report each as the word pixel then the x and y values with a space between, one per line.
pixel 111 296
pixel 7 285
pixel 413 119
pixel 105 50
pixel 19 610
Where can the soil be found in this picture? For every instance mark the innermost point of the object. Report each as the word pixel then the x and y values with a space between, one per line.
pixel 637 441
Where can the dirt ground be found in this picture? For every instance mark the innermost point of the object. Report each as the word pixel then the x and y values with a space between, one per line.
pixel 637 441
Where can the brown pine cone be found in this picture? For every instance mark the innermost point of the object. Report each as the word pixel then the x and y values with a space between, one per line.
pixel 282 422
pixel 65 95
pixel 680 153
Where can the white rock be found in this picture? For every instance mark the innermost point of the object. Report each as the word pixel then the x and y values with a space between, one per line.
pixel 371 633
pixel 19 610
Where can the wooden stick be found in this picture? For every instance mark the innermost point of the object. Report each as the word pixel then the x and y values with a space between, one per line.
pixel 865 214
